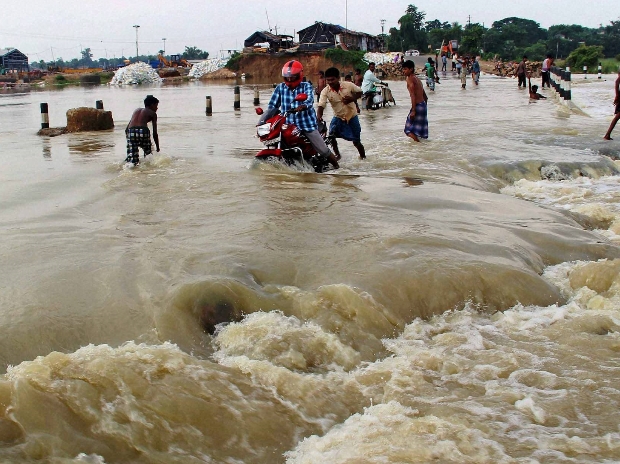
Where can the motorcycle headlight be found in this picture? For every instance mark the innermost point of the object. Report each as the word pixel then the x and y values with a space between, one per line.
pixel 263 129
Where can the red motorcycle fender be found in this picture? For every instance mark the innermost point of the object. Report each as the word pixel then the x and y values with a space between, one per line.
pixel 269 152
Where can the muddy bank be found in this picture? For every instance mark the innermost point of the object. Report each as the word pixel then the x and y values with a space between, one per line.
pixel 269 67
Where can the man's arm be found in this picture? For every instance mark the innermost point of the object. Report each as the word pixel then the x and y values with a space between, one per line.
pixel 276 98
pixel 322 104
pixel 617 99
pixel 155 134
pixel 411 89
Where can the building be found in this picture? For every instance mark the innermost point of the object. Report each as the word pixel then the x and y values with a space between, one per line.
pixel 321 36
pixel 12 59
pixel 276 42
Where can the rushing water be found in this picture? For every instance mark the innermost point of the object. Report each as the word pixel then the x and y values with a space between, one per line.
pixel 451 301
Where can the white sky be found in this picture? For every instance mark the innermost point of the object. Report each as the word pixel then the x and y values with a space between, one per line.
pixel 39 28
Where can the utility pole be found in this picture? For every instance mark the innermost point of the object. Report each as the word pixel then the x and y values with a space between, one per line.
pixel 383 34
pixel 136 28
pixel 164 39
pixel 468 20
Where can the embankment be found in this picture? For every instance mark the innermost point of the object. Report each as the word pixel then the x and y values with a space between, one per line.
pixel 269 67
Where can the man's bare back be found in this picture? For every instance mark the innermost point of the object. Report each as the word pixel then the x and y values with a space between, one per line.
pixel 141 117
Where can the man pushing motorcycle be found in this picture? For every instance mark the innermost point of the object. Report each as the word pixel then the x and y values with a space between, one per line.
pixel 368 85
pixel 301 114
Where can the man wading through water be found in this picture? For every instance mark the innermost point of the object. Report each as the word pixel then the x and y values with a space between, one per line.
pixel 345 124
pixel 416 125
pixel 137 131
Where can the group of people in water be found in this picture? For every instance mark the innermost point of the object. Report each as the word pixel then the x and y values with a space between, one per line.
pixel 342 97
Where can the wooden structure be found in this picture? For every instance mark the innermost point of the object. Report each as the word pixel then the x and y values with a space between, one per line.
pixel 12 60
pixel 276 42
pixel 321 36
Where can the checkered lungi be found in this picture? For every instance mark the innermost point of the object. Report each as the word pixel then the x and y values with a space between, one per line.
pixel 419 124
pixel 138 137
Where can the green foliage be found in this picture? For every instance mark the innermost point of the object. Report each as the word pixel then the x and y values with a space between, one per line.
pixel 618 57
pixel 353 59
pixel 585 56
pixel 610 65
pixel 472 41
pixel 611 39
pixel 60 79
pixel 233 62
pixel 194 53
pixel 536 52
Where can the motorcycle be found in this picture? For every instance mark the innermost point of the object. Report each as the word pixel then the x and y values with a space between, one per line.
pixel 381 96
pixel 287 144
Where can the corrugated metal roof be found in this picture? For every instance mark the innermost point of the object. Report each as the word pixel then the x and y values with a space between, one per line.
pixel 6 51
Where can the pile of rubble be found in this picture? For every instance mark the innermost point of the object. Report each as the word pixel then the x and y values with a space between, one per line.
pixel 381 58
pixel 390 70
pixel 509 69
pixel 206 67
pixel 137 73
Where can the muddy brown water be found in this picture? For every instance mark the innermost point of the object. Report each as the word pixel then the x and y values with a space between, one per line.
pixel 436 302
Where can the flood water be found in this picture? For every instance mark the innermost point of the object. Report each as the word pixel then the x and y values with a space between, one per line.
pixel 453 301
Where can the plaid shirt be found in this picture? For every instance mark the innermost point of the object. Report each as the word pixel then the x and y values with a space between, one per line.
pixel 284 98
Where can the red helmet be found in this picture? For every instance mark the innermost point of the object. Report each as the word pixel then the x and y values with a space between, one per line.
pixel 292 73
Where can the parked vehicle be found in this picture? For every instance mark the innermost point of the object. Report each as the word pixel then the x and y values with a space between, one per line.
pixel 412 53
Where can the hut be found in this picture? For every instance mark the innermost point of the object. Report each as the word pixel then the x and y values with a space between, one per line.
pixel 276 42
pixel 321 36
pixel 12 60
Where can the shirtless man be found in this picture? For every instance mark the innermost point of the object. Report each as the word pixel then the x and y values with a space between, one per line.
pixel 416 125
pixel 321 84
pixel 358 78
pixel 617 112
pixel 137 131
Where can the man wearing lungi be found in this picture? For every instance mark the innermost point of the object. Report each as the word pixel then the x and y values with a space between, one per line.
pixel 416 125
pixel 345 124
pixel 137 131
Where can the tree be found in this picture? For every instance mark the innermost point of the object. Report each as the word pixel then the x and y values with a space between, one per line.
pixel 412 33
pixel 194 53
pixel 416 17
pixel 434 24
pixel 585 56
pixel 611 39
pixel 472 39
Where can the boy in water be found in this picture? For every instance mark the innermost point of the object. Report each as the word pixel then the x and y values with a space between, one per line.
pixel 137 131
pixel 431 74
pixel 416 125
pixel 534 95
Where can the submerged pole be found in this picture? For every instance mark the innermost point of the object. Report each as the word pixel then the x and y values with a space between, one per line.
pixel 209 109
pixel 45 119
pixel 237 98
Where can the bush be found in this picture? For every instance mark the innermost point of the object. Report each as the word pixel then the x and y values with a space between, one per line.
pixel 618 57
pixel 60 79
pixel 585 56
pixel 354 59
pixel 233 62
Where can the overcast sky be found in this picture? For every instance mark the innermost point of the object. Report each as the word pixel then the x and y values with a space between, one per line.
pixel 40 28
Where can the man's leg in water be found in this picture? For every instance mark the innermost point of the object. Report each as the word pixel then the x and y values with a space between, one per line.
pixel 360 148
pixel 334 144
pixel 319 145
pixel 611 127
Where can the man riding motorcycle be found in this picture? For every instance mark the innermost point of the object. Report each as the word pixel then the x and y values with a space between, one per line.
pixel 368 85
pixel 302 115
